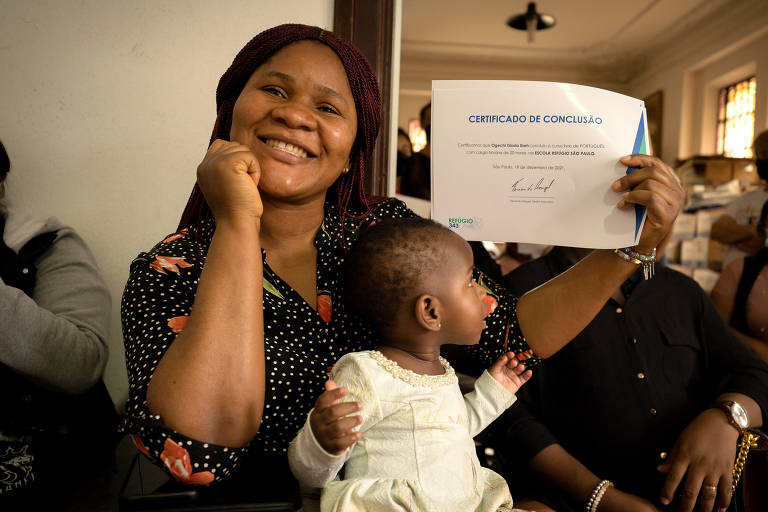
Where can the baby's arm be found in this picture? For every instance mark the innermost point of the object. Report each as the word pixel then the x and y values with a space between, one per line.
pixel 509 372
pixel 340 417
pixel 494 392
pixel 321 447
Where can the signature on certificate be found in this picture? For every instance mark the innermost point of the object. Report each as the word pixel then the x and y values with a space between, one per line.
pixel 540 185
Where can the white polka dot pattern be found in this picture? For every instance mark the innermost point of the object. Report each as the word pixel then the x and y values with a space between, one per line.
pixel 300 344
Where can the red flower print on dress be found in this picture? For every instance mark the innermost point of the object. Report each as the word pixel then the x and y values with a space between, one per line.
pixel 139 444
pixel 491 303
pixel 177 323
pixel 176 459
pixel 175 236
pixel 172 263
pixel 490 297
pixel 522 356
pixel 324 308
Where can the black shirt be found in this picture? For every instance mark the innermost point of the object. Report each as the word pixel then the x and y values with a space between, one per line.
pixel 619 394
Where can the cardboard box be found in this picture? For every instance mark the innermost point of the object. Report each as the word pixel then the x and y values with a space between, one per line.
pixel 718 170
pixel 702 252
pixel 706 278
pixel 746 172
pixel 672 251
pixel 704 220
pixel 714 169
pixel 694 252
pixel 685 227
pixel 688 271
pixel 715 255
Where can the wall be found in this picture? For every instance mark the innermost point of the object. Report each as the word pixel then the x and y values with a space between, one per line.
pixel 687 64
pixel 107 107
pixel 730 45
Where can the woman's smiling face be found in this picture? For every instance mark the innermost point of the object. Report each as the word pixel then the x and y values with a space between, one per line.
pixel 297 114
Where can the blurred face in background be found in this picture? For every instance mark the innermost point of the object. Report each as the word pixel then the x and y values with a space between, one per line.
pixel 404 144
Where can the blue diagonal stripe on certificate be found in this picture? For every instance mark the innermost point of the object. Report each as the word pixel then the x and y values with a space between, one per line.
pixel 639 147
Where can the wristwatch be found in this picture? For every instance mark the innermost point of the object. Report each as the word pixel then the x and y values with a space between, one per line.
pixel 736 414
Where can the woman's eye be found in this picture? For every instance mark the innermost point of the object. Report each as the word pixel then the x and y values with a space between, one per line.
pixel 329 109
pixel 273 91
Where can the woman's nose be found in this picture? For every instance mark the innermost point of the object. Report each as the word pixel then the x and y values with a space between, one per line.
pixel 295 115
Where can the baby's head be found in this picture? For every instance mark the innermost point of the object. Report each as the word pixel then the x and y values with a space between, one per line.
pixel 416 269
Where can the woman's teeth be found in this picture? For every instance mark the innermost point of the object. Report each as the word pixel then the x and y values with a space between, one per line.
pixel 288 148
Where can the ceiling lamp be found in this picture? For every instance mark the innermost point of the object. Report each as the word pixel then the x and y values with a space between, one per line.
pixel 531 21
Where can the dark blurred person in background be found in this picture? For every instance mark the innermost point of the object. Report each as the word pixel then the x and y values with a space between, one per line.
pixel 417 181
pixel 657 390
pixel 741 294
pixel 404 153
pixel 737 228
pixel 57 421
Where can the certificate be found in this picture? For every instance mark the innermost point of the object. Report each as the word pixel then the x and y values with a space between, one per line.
pixel 517 161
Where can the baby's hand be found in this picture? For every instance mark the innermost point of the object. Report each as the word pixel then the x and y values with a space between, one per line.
pixel 331 425
pixel 509 372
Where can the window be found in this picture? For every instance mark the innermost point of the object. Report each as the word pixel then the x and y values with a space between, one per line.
pixel 736 119
pixel 417 135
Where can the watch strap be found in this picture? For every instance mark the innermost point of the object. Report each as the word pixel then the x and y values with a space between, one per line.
pixel 727 407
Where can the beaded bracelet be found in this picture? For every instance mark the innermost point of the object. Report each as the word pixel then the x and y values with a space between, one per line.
pixel 597 495
pixel 646 260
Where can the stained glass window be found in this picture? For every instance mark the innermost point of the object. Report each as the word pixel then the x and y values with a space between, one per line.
pixel 736 119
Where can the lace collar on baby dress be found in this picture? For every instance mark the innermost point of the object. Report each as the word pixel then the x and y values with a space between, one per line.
pixel 413 378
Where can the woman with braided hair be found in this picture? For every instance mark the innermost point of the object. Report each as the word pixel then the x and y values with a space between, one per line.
pixel 231 323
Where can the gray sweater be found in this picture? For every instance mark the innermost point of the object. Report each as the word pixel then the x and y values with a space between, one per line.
pixel 57 338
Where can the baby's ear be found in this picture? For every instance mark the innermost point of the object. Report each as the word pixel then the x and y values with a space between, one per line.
pixel 427 311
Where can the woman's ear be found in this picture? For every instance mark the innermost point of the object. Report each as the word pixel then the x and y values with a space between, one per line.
pixel 428 313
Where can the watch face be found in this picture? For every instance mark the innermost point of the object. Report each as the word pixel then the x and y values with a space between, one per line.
pixel 739 415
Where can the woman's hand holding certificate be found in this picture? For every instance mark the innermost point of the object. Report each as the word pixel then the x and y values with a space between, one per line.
pixel 655 186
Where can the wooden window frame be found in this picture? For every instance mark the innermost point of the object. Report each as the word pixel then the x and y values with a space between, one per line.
pixel 722 112
pixel 368 24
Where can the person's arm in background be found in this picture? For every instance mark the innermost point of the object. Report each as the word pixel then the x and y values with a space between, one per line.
pixel 727 231
pixel 758 347
pixel 525 441
pixel 57 337
pixel 703 454
pixel 578 294
pixel 560 469
pixel 723 295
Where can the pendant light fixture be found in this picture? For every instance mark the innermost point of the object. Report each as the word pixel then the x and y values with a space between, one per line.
pixel 531 21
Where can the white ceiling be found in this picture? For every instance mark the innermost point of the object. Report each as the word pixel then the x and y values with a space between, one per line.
pixel 614 36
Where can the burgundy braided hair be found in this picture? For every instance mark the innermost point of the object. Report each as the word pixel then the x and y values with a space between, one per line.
pixel 349 187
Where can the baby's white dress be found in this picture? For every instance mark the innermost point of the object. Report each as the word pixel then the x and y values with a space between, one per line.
pixel 417 451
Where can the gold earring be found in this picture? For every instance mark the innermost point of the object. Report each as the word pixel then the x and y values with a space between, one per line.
pixel 345 170
pixel 439 325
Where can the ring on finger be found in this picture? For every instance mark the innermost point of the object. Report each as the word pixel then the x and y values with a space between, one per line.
pixel 709 490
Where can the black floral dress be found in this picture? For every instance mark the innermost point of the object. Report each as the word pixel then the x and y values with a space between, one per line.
pixel 301 344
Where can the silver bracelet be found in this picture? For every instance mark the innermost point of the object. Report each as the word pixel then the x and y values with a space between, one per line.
pixel 646 260
pixel 597 495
